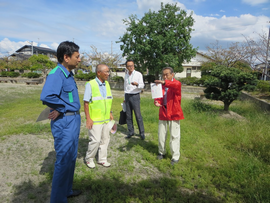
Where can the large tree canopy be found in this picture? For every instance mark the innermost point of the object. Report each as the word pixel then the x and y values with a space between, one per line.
pixel 159 39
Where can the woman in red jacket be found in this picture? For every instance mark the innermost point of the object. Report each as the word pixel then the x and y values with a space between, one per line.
pixel 170 114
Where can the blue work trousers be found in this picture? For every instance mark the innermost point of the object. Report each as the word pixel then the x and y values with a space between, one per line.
pixel 66 131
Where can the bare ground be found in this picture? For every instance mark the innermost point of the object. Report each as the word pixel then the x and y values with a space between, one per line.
pixel 27 160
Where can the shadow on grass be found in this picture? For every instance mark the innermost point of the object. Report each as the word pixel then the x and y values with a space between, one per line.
pixel 115 190
pixel 136 140
pixel 48 163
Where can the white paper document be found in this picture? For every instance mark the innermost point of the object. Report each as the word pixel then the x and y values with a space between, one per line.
pixel 156 90
pixel 123 106
pixel 44 114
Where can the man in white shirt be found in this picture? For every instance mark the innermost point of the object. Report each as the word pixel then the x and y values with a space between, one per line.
pixel 133 86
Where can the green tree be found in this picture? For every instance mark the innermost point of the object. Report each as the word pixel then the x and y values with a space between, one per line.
pixel 41 62
pixel 159 39
pixel 226 83
pixel 3 63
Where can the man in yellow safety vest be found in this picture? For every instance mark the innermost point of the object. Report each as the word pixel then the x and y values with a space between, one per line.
pixel 97 108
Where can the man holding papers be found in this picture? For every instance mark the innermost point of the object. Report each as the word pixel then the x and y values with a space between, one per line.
pixel 170 114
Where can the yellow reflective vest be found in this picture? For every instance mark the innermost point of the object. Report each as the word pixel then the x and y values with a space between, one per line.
pixel 100 107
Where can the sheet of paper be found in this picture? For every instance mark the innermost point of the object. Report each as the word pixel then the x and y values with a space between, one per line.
pixel 44 114
pixel 156 90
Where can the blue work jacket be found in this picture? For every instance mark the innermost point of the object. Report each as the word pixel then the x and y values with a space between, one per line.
pixel 60 91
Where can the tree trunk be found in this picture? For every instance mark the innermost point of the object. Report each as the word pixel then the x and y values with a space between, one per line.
pixel 226 106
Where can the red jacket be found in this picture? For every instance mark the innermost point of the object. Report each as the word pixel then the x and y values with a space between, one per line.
pixel 173 110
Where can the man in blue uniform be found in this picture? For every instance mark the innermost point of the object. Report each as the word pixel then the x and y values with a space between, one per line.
pixel 60 93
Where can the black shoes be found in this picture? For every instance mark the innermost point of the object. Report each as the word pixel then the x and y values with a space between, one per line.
pixel 75 193
pixel 160 156
pixel 174 162
pixel 129 136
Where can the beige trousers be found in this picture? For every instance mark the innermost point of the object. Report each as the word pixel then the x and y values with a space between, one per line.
pixel 174 127
pixel 99 137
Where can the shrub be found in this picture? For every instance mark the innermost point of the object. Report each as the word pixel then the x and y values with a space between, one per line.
pixel 31 75
pixel 190 81
pixel 202 79
pixel 263 86
pixel 10 74
pixel 85 76
pixel 4 74
pixel 25 75
pixel 117 78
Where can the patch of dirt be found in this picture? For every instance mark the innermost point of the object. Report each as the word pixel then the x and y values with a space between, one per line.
pixel 232 115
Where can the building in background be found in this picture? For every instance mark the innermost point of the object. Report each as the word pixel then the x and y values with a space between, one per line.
pixel 193 68
pixel 27 51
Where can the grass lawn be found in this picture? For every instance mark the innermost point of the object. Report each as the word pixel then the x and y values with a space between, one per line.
pixel 222 159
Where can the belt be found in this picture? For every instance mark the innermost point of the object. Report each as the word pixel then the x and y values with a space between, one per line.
pixel 70 113
pixel 133 94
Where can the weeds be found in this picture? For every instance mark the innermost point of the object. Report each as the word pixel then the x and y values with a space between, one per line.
pixel 222 160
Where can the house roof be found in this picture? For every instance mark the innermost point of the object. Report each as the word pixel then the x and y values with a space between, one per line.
pixel 41 49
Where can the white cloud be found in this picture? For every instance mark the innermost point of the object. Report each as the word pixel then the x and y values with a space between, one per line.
pixel 226 29
pixel 54 45
pixel 222 11
pixel 44 45
pixel 8 47
pixel 255 2
pixel 154 5
pixel 110 23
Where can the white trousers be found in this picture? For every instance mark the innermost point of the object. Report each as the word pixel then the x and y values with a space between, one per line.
pixel 99 137
pixel 174 127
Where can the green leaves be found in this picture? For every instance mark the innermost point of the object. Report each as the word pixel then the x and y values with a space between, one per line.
pixel 226 83
pixel 159 39
pixel 41 62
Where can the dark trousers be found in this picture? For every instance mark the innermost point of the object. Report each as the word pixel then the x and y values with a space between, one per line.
pixel 133 104
pixel 65 130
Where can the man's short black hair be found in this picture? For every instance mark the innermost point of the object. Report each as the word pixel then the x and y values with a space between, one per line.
pixel 129 60
pixel 66 48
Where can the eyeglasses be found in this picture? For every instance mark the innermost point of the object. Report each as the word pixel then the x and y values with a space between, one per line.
pixel 130 66
pixel 106 72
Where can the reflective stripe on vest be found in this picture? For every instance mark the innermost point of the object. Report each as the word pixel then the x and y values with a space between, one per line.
pixel 99 108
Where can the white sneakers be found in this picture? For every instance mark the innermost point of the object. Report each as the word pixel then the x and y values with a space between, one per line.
pixel 91 164
pixel 105 164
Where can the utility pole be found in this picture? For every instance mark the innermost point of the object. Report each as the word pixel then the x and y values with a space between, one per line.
pixel 32 51
pixel 111 47
pixel 266 58
pixel 32 48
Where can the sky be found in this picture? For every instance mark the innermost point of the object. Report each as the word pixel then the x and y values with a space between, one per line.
pixel 47 23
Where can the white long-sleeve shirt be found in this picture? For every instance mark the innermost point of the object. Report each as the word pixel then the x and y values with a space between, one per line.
pixel 135 76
